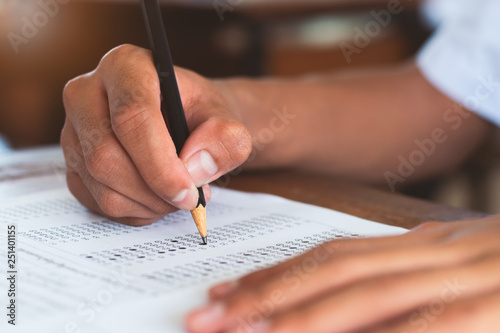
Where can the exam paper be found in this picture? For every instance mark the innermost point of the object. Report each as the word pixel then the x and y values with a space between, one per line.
pixel 79 272
pixel 32 170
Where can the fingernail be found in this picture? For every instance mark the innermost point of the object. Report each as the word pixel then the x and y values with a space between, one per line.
pixel 224 289
pixel 186 199
pixel 207 317
pixel 201 166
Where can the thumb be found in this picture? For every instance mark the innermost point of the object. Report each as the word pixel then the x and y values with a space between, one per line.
pixel 214 148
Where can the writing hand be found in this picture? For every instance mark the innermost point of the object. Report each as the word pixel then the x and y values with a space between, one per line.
pixel 120 157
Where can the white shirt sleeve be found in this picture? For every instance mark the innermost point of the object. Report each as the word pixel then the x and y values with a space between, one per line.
pixel 462 59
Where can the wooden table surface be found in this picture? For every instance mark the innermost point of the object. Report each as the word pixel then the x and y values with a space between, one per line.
pixel 359 200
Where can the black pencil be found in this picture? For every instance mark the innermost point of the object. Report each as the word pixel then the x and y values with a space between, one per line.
pixel 171 106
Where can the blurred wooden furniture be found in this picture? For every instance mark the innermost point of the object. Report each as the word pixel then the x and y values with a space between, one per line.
pixel 262 8
pixel 247 42
pixel 254 37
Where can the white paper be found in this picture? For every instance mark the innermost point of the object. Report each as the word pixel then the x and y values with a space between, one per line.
pixel 78 272
pixel 28 171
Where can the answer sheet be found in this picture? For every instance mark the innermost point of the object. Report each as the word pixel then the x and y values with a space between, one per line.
pixel 79 272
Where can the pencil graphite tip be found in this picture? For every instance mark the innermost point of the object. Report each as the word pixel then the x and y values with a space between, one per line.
pixel 204 240
pixel 201 198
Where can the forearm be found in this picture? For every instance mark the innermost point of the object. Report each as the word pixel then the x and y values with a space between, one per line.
pixel 353 124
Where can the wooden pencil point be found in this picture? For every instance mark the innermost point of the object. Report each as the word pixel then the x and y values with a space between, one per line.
pixel 200 218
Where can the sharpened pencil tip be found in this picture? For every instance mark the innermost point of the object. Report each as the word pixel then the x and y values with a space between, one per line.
pixel 204 240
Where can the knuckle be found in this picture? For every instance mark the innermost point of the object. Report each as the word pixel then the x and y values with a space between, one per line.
pixel 71 90
pixel 116 55
pixel 111 203
pixel 125 49
pixel 101 162
pixel 128 116
pixel 77 90
pixel 162 208
pixel 123 54
pixel 235 140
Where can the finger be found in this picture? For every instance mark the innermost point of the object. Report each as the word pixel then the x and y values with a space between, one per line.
pixel 105 163
pixel 323 253
pixel 476 314
pixel 104 199
pixel 300 286
pixel 79 190
pixel 428 234
pixel 131 82
pixel 218 142
pixel 386 297
pixel 105 159
pixel 214 148
pixel 355 265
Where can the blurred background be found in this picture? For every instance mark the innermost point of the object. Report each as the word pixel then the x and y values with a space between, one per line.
pixel 45 43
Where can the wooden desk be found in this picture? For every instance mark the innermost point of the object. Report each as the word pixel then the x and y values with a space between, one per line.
pixel 365 202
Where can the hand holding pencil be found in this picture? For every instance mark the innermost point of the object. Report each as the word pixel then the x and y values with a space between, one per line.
pixel 122 162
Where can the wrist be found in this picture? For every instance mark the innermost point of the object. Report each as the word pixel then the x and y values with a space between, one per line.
pixel 263 106
pixel 238 100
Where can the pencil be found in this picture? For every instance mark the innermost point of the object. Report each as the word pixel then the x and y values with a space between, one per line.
pixel 171 106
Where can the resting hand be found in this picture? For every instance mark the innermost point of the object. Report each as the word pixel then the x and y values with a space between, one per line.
pixel 440 277
pixel 120 157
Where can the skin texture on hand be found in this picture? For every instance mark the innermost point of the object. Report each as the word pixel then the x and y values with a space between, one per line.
pixel 358 124
pixel 440 277
pixel 121 160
